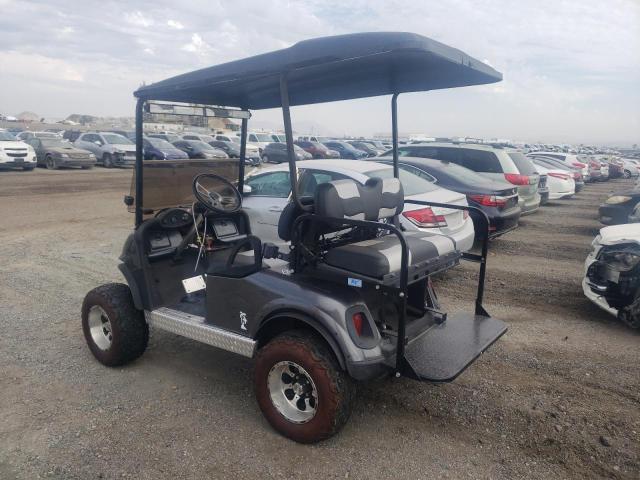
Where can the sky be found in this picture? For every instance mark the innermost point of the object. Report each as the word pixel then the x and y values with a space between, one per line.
pixel 571 68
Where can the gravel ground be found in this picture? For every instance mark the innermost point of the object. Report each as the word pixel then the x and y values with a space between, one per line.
pixel 556 397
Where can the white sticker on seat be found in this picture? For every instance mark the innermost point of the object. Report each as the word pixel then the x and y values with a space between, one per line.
pixel 194 284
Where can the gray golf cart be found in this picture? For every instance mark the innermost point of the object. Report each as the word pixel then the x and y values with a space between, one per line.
pixel 350 300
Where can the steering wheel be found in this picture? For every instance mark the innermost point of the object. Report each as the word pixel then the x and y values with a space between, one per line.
pixel 213 200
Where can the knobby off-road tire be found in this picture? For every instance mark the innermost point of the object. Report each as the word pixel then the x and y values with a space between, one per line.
pixel 335 390
pixel 120 333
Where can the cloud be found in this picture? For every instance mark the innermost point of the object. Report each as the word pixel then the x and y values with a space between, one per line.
pixel 570 68
pixel 175 24
pixel 138 19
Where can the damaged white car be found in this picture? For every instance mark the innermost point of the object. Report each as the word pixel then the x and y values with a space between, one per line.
pixel 612 272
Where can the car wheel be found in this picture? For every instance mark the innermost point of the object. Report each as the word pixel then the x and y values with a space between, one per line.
pixel 301 389
pixel 87 167
pixel 114 329
pixel 265 159
pixel 107 161
pixel 626 174
pixel 51 163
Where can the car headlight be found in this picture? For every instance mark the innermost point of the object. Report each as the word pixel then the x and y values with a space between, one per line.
pixel 615 199
pixel 64 155
pixel 91 155
pixel 621 260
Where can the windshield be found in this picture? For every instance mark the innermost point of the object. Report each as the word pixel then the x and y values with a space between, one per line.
pixel 525 166
pixel 52 143
pixel 169 183
pixel 264 137
pixel 198 145
pixel 160 144
pixel 7 137
pixel 411 183
pixel 115 139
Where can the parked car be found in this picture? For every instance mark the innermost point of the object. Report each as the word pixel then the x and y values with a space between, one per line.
pixel 130 134
pixel 612 272
pixel 198 149
pixel 159 149
pixel 567 158
pixel 269 192
pixel 365 147
pixel 71 135
pixel 260 140
pixel 169 137
pixel 553 163
pixel 618 206
pixel 26 135
pixel 54 153
pixel 497 199
pixel 201 137
pixel 629 168
pixel 110 149
pixel 317 149
pixel 314 138
pixel 494 163
pixel 346 150
pixel 560 182
pixel 232 149
pixel 277 153
pixel 15 153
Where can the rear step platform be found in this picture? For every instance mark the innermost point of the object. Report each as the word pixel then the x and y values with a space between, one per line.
pixel 444 351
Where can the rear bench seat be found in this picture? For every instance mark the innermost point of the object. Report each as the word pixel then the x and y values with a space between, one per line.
pixel 376 200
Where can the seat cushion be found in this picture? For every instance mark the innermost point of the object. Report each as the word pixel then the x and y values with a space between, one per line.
pixel 380 256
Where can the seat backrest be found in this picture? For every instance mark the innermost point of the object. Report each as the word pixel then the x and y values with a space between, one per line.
pixel 373 201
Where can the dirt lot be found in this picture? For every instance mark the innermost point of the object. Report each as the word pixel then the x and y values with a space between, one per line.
pixel 557 397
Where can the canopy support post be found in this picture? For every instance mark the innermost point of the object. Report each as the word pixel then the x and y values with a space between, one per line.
pixel 394 132
pixel 288 133
pixel 243 153
pixel 139 159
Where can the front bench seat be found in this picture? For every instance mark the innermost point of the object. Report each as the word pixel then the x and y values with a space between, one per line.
pixel 378 199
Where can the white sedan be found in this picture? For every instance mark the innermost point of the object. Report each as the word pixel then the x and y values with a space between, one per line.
pixel 560 182
pixel 267 191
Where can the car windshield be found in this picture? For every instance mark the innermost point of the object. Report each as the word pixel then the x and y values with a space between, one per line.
pixel 525 166
pixel 7 137
pixel 411 183
pixel 115 139
pixel 54 142
pixel 160 143
pixel 264 137
pixel 197 144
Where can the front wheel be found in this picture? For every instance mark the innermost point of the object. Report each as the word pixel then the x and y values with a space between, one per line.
pixel 265 159
pixel 626 174
pixel 51 163
pixel 107 161
pixel 301 389
pixel 114 329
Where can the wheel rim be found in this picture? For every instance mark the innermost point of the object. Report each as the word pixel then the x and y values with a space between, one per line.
pixel 100 327
pixel 293 392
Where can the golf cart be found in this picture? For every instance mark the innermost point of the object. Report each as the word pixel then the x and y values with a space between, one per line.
pixel 350 299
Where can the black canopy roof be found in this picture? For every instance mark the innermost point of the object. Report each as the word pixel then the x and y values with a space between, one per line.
pixel 328 69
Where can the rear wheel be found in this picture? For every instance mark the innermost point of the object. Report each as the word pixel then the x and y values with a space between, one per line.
pixel 50 162
pixel 114 329
pixel 107 161
pixel 300 387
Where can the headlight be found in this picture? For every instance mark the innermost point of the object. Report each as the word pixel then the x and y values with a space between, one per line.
pixel 623 261
pixel 615 199
pixel 64 155
pixel 91 155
